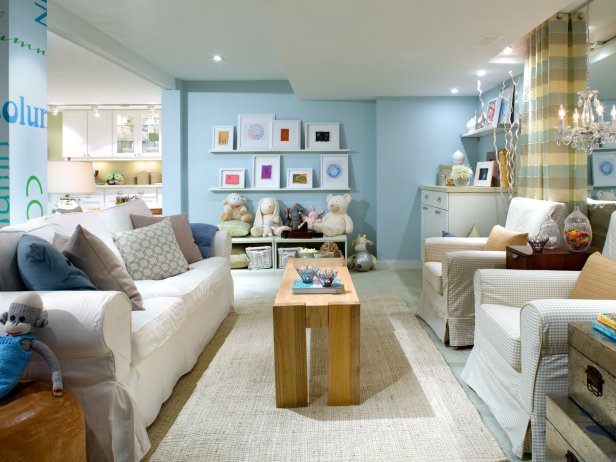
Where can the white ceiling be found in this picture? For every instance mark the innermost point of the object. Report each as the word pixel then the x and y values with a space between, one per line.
pixel 343 49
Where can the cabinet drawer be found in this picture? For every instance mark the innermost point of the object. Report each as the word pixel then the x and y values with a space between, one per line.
pixel 434 199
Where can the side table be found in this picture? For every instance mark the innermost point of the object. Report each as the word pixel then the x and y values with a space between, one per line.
pixel 522 257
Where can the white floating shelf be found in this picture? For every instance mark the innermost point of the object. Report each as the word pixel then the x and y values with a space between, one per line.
pixel 288 151
pixel 276 189
pixel 484 131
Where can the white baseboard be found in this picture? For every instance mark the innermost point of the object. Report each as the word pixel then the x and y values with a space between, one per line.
pixel 398 264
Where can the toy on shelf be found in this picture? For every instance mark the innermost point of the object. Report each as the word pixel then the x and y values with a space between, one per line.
pixel 267 218
pixel 330 247
pixel 336 221
pixel 235 208
pixel 294 217
pixel 362 260
pixel 313 217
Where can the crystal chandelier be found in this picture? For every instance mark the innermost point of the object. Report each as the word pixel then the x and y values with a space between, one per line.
pixel 588 132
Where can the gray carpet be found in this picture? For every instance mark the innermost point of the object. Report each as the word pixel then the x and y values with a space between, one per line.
pixel 412 407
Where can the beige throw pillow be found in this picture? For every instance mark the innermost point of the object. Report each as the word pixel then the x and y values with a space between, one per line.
pixel 500 238
pixel 597 280
pixel 91 255
pixel 182 231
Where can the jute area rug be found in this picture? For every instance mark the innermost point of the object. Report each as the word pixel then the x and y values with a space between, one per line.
pixel 412 407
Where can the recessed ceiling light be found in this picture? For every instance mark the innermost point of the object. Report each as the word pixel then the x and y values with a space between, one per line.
pixel 481 73
pixel 454 91
pixel 217 58
pixel 508 50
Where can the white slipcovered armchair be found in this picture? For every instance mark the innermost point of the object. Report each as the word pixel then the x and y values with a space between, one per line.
pixel 521 347
pixel 446 302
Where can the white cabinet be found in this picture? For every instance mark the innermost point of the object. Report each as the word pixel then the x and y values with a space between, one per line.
pixel 105 196
pixel 136 133
pixel 457 209
pixel 75 134
pixel 99 134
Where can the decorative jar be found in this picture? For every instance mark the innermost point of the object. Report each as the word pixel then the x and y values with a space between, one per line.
pixel 550 228
pixel 577 231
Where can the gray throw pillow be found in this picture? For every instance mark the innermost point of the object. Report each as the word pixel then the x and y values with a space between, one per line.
pixel 181 229
pixel 90 254
pixel 151 252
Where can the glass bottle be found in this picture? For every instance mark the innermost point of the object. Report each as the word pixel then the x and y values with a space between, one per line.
pixel 550 228
pixel 577 231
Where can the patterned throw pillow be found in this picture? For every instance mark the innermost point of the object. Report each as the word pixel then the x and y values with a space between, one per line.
pixel 151 252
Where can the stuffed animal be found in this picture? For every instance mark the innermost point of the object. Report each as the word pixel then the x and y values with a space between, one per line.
pixel 18 341
pixel 312 217
pixel 336 221
pixel 295 214
pixel 267 209
pixel 267 226
pixel 235 208
pixel 361 260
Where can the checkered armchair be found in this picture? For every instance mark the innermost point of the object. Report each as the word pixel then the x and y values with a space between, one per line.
pixel 447 301
pixel 520 351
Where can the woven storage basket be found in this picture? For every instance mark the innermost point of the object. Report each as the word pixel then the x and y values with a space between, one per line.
pixel 286 252
pixel 259 257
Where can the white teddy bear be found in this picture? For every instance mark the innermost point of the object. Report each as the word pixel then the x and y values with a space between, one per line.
pixel 336 221
pixel 267 219
pixel 235 208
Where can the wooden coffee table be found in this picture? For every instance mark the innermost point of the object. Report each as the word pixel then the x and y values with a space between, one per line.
pixel 337 312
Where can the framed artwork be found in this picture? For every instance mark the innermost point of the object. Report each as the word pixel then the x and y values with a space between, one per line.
pixel 254 131
pixel 604 168
pixel 223 137
pixel 493 110
pixel 483 173
pixel 232 178
pixel 322 137
pixel 505 115
pixel 286 134
pixel 335 171
pixel 299 178
pixel 266 171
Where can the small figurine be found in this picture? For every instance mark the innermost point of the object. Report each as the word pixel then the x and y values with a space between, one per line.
pixel 361 260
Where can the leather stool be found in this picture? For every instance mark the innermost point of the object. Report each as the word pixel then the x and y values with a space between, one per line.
pixel 37 426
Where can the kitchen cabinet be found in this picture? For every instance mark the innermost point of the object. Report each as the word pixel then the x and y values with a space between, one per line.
pixel 136 133
pixel 75 134
pixel 99 133
pixel 105 196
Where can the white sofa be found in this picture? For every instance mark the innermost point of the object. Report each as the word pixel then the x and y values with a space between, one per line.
pixel 123 364
pixel 520 351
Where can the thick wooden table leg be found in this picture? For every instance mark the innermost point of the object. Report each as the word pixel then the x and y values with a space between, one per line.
pixel 344 361
pixel 290 356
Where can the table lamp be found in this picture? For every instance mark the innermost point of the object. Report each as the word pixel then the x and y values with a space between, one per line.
pixel 69 177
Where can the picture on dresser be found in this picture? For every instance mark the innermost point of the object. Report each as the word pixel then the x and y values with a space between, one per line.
pixel 255 131
pixel 483 173
pixel 286 134
pixel 232 178
pixel 223 137
pixel 335 171
pixel 603 168
pixel 266 171
pixel 299 178
pixel 322 137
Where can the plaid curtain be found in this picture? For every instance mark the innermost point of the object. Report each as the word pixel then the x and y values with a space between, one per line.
pixel 555 70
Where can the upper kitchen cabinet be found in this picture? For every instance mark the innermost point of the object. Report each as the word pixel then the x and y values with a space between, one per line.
pixel 75 134
pixel 136 134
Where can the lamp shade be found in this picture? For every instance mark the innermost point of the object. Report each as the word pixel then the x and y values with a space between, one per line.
pixel 70 177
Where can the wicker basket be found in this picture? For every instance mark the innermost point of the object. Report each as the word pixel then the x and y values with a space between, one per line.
pixel 286 252
pixel 259 257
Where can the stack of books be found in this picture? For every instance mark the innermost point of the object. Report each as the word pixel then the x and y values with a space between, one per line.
pixel 606 324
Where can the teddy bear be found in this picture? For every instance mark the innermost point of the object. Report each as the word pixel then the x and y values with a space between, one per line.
pixel 362 260
pixel 267 217
pixel 235 208
pixel 336 221
pixel 18 342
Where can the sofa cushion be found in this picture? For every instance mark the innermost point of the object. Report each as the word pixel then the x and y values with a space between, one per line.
pixel 181 229
pixel 527 215
pixel 597 280
pixel 204 236
pixel 235 228
pixel 599 214
pixel 500 238
pixel 42 267
pixel 433 275
pixel 151 252
pixel 500 325
pixel 90 254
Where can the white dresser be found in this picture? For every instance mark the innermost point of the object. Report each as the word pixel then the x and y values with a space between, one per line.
pixel 456 208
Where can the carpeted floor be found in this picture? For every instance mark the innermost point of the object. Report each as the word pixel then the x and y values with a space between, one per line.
pixel 412 409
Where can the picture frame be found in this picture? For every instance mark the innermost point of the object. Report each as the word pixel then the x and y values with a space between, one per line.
pixel 286 134
pixel 603 168
pixel 505 115
pixel 322 136
pixel 232 178
pixel 299 178
pixel 223 137
pixel 266 171
pixel 483 173
pixel 335 171
pixel 254 131
pixel 493 110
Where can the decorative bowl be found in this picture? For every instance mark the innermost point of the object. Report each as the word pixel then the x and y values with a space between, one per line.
pixel 324 255
pixel 307 253
pixel 538 241
pixel 326 276
pixel 307 272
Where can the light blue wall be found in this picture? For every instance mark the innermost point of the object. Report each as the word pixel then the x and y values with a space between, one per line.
pixel 210 104
pixel 414 136
pixel 172 147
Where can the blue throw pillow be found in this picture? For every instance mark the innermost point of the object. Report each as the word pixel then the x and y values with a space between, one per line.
pixel 42 267
pixel 203 234
pixel 447 234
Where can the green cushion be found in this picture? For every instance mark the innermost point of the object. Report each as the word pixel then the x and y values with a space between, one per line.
pixel 235 228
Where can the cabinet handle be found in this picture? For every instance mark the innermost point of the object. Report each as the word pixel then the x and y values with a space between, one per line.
pixel 425 208
pixel 438 199
pixel 426 197
pixel 594 381
pixel 437 212
pixel 514 255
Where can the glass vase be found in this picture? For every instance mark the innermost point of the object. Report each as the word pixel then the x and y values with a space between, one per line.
pixel 550 228
pixel 461 180
pixel 577 231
